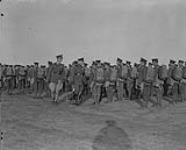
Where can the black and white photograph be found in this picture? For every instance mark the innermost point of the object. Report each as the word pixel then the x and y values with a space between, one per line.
pixel 93 74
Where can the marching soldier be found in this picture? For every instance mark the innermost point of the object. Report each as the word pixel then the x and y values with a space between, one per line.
pixel 120 80
pixel 140 81
pixel 169 81
pixel 31 78
pixel 78 75
pixel 98 82
pixel 157 85
pixel 56 78
pixel 1 78
pixel 46 82
pixel 183 84
pixel 9 73
pixel 22 78
pixel 111 74
pixel 40 79
pixel 177 73
pixel 130 81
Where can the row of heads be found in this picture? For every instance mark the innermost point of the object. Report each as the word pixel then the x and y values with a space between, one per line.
pixel 96 62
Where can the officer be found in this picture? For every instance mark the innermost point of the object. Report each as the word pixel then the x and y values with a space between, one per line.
pixel 56 78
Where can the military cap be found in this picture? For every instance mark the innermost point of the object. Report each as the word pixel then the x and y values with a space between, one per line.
pixel 98 61
pixel 181 61
pixel 155 60
pixel 36 63
pixel 128 62
pixel 150 63
pixel 81 59
pixel 74 62
pixel 93 63
pixel 143 60
pixel 172 61
pixel 107 63
pixel 119 59
pixel 43 66
pixel 49 62
pixel 59 56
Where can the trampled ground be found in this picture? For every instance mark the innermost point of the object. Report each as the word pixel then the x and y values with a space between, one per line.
pixel 32 124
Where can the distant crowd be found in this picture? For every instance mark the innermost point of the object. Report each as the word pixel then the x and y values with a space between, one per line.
pixel 146 83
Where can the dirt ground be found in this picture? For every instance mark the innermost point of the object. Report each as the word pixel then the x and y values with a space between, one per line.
pixel 38 124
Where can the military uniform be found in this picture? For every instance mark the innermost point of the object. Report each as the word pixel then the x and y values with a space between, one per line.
pixel 78 81
pixel 1 78
pixel 56 78
pixel 110 83
pixel 120 80
pixel 22 78
pixel 176 86
pixel 157 85
pixel 9 73
pixel 98 83
pixel 143 87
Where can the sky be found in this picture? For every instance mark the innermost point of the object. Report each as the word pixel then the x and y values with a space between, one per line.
pixel 38 30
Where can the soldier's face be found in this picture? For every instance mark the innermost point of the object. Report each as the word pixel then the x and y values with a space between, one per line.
pixel 180 64
pixel 59 60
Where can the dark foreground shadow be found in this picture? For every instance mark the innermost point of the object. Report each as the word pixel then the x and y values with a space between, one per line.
pixel 112 138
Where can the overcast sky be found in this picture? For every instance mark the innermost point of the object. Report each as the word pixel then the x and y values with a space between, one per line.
pixel 37 30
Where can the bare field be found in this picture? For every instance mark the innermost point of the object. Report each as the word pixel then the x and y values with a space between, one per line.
pixel 34 124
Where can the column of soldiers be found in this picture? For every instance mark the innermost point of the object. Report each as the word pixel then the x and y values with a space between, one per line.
pixel 145 83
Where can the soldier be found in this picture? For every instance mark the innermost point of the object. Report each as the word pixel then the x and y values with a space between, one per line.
pixel 31 78
pixel 56 77
pixel 120 80
pixel 157 85
pixel 22 78
pixel 35 83
pixel 133 77
pixel 1 78
pixel 140 81
pixel 98 82
pixel 111 73
pixel 177 73
pixel 183 84
pixel 47 81
pixel 9 73
pixel 169 81
pixel 130 81
pixel 40 79
pixel 78 75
